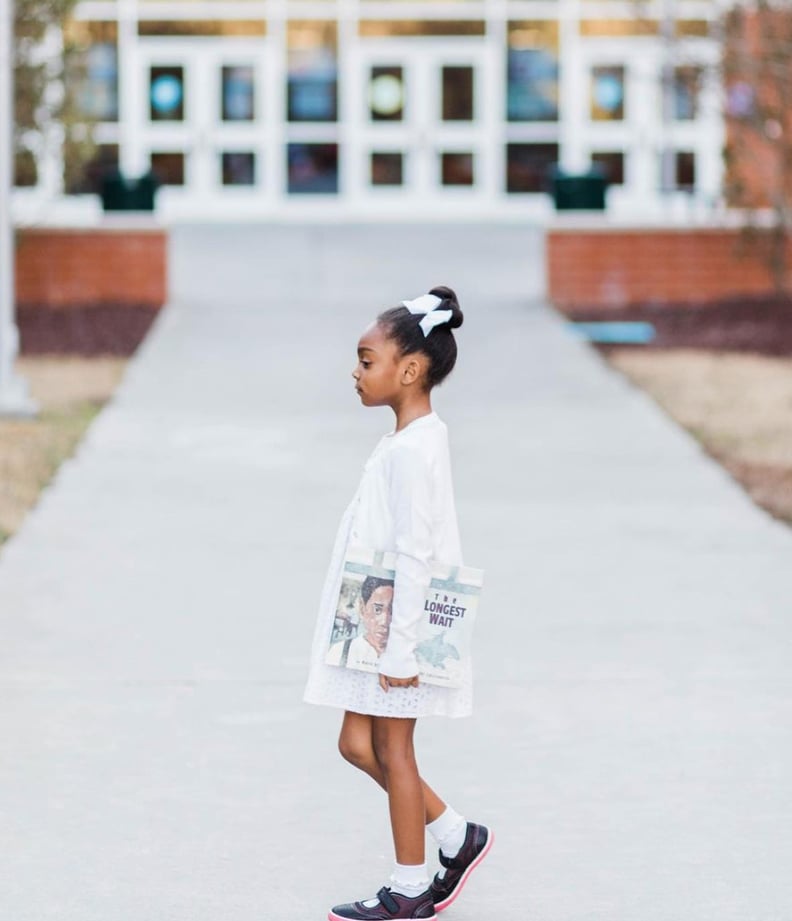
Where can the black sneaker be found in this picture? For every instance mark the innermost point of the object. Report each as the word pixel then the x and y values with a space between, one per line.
pixel 387 906
pixel 478 841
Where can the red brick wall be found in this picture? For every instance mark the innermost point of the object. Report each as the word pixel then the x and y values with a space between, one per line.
pixel 615 268
pixel 72 267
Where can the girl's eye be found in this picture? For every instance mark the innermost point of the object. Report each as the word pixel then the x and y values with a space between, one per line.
pixel 365 363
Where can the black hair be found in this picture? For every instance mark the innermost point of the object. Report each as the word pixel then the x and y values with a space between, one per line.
pixel 439 346
pixel 371 584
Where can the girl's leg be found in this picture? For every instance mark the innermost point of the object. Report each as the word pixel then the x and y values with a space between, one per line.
pixel 393 747
pixel 382 747
pixel 356 744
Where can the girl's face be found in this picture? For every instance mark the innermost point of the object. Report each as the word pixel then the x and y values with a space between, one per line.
pixel 381 374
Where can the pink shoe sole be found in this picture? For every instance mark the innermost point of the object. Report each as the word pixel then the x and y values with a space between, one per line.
pixel 441 906
pixel 334 917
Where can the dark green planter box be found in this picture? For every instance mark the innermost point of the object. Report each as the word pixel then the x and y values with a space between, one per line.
pixel 584 192
pixel 120 194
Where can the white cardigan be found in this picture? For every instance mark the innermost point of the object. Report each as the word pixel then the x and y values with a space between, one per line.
pixel 405 503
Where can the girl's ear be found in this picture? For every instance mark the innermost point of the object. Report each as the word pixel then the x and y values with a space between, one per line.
pixel 412 370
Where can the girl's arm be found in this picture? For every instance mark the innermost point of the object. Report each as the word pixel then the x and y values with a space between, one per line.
pixel 409 498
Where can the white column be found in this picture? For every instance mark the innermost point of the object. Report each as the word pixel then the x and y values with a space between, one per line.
pixel 275 110
pixel 493 101
pixel 131 102
pixel 573 89
pixel 667 153
pixel 14 399
pixel 349 147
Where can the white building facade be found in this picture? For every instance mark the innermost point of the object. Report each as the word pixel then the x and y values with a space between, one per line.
pixel 382 108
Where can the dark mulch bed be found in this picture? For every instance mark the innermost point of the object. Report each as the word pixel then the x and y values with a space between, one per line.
pixel 95 329
pixel 761 325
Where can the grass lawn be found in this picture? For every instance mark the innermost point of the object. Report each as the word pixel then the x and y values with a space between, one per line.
pixel 738 405
pixel 70 391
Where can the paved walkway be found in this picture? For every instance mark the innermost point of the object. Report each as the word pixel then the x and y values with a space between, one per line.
pixel 633 738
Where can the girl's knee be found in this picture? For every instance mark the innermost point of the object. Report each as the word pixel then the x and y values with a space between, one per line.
pixel 356 751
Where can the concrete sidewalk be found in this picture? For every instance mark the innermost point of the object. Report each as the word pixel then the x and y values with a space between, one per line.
pixel 632 744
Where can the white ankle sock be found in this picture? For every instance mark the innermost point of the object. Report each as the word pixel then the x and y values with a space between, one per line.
pixel 449 831
pixel 409 879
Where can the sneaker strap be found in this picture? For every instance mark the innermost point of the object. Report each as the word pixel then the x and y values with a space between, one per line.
pixel 452 863
pixel 386 899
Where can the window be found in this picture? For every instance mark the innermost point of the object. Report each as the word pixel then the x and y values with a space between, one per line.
pixel 457 85
pixel 91 67
pixel 393 28
pixel 687 82
pixel 387 168
pixel 25 169
pixel 238 168
pixel 532 72
pixel 528 166
pixel 312 83
pixel 312 168
pixel 457 168
pixel 607 94
pixel 104 163
pixel 238 94
pixel 685 169
pixel 612 165
pixel 386 94
pixel 168 168
pixel 98 93
pixel 228 28
pixel 166 94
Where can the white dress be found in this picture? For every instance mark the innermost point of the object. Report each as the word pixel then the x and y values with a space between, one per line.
pixel 405 504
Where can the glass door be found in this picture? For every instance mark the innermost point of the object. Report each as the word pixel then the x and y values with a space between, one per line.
pixel 199 124
pixel 420 120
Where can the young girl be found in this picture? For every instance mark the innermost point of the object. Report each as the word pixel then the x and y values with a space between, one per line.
pixel 405 504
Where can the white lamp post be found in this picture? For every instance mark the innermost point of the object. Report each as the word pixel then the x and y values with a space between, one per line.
pixel 14 399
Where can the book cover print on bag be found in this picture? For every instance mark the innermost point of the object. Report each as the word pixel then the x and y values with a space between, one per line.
pixel 365 606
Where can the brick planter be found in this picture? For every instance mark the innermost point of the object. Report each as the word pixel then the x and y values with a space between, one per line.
pixel 605 267
pixel 118 264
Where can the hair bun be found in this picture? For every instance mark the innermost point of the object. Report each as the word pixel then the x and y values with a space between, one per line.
pixel 451 303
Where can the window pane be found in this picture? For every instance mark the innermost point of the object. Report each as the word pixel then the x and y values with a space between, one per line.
pixel 532 72
pixel 457 169
pixel 103 163
pixel 238 94
pixel 312 85
pixel 239 168
pixel 607 94
pixel 392 28
pixel 97 75
pixel 168 168
pixel 457 94
pixel 91 67
pixel 228 28
pixel 528 166
pixel 387 168
pixel 612 165
pixel 619 28
pixel 686 170
pixel 25 169
pixel 386 94
pixel 686 91
pixel 313 168
pixel 166 94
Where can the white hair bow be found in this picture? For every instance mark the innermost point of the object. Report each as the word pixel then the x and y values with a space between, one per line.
pixel 427 303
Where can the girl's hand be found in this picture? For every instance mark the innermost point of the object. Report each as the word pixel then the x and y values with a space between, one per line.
pixel 387 682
